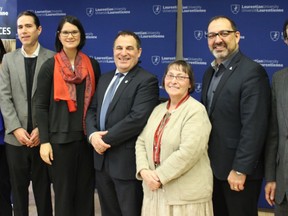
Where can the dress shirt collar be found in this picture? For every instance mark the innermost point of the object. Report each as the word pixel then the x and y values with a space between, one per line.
pixel 34 54
pixel 225 62
pixel 117 71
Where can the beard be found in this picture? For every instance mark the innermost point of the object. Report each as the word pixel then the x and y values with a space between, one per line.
pixel 220 55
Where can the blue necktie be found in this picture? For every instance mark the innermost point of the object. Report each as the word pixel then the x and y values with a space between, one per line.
pixel 108 99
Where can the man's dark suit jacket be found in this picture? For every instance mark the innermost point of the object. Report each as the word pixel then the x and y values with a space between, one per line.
pixel 134 100
pixel 239 116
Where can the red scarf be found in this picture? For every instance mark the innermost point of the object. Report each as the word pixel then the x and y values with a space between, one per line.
pixel 65 80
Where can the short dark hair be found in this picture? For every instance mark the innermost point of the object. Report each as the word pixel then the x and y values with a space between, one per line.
pixel 285 26
pixel 32 14
pixel 130 33
pixel 184 66
pixel 74 21
pixel 233 24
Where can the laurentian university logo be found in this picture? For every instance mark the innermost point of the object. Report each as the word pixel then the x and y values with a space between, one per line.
pixel 89 12
pixel 198 87
pixel 198 34
pixel 156 9
pixel 235 8
pixel 274 35
pixel 155 60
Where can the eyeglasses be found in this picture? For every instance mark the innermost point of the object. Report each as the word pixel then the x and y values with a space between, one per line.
pixel 73 33
pixel 179 78
pixel 221 34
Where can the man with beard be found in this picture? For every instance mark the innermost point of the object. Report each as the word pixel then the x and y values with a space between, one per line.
pixel 236 94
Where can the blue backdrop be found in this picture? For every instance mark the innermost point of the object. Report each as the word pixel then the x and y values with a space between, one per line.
pixel 8 13
pixel 259 22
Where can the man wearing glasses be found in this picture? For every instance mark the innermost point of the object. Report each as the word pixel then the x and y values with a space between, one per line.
pixel 276 154
pixel 236 94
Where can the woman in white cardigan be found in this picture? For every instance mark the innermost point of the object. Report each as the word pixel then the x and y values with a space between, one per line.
pixel 171 151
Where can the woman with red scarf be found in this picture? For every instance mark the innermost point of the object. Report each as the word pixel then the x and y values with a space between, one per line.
pixel 171 151
pixel 66 84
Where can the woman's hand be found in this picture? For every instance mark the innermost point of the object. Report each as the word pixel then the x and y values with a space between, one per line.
pixel 46 153
pixel 151 179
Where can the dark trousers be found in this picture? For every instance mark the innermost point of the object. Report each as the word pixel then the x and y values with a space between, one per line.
pixel 5 186
pixel 25 164
pixel 118 197
pixel 227 202
pixel 73 179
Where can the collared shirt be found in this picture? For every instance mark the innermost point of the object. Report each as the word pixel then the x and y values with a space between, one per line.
pixel 34 54
pixel 225 63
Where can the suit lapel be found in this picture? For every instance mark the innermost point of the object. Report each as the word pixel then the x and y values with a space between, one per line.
pixel 206 81
pixel 120 90
pixel 21 73
pixel 125 82
pixel 101 89
pixel 40 60
pixel 226 75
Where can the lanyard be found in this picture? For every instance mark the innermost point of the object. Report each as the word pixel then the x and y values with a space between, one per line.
pixel 160 129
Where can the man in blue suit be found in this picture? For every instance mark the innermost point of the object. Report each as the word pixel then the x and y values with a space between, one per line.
pixel 236 94
pixel 113 135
